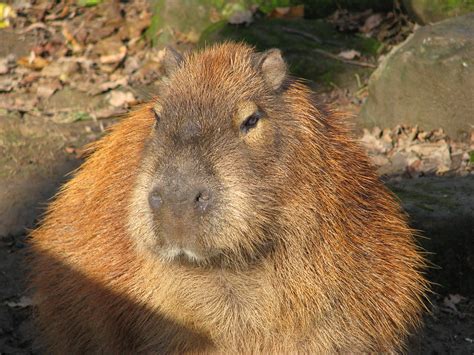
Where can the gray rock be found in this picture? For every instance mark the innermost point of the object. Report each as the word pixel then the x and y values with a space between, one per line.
pixel 183 19
pixel 429 11
pixel 427 81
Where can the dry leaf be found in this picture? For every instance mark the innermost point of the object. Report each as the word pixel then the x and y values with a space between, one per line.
pixel 47 89
pixel 107 112
pixel 4 67
pixel 288 12
pixel 240 17
pixel 371 22
pixel 60 69
pixel 120 98
pixel 6 13
pixel 7 84
pixel 22 303
pixel 76 47
pixel 108 85
pixel 349 54
pixel 115 57
pixel 33 62
pixel 452 300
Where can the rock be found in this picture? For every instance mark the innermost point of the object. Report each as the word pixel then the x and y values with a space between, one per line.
pixel 436 157
pixel 119 98
pixel 182 19
pixel 379 160
pixel 398 164
pixel 429 11
pixel 376 143
pixel 427 81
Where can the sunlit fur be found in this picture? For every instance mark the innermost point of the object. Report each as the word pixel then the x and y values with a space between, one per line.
pixel 306 251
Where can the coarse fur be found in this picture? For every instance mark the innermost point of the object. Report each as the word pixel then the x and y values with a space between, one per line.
pixel 305 250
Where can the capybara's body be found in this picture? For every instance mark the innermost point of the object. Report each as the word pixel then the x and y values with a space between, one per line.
pixel 230 214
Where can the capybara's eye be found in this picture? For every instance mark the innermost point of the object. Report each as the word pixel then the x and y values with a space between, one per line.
pixel 156 115
pixel 250 122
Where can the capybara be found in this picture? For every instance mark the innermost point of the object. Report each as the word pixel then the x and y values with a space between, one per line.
pixel 232 213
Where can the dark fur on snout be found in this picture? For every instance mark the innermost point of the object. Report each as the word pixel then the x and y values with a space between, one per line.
pixel 296 247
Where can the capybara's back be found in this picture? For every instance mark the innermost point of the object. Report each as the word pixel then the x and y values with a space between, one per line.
pixel 231 213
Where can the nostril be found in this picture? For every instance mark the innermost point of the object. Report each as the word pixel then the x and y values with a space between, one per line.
pixel 202 199
pixel 155 199
pixel 202 196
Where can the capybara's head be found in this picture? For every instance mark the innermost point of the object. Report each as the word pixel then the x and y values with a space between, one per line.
pixel 217 159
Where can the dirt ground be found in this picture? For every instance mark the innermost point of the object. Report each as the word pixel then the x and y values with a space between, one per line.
pixel 38 150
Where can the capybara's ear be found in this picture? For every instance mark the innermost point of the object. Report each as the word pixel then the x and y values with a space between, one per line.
pixel 273 68
pixel 171 61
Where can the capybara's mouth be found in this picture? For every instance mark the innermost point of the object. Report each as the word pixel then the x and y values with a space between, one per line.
pixel 170 254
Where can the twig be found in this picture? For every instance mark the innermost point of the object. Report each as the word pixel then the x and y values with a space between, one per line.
pixel 309 36
pixel 303 34
pixel 34 26
pixel 347 61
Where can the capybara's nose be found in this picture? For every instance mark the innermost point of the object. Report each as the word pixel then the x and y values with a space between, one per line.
pixel 181 199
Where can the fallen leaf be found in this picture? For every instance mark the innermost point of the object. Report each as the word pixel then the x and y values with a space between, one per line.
pixel 107 112
pixel 46 89
pixel 452 300
pixel 115 57
pixel 120 98
pixel 108 85
pixel 76 47
pixel 4 66
pixel 290 12
pixel 371 22
pixel 60 69
pixel 22 303
pixel 88 3
pixel 7 84
pixel 32 62
pixel 6 13
pixel 379 160
pixel 349 54
pixel 240 17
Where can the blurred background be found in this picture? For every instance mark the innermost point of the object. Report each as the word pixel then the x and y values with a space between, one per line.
pixel 403 70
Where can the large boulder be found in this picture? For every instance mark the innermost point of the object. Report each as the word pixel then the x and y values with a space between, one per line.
pixel 427 81
pixel 430 11
pixel 184 20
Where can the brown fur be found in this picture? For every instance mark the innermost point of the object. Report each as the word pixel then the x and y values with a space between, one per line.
pixel 312 254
